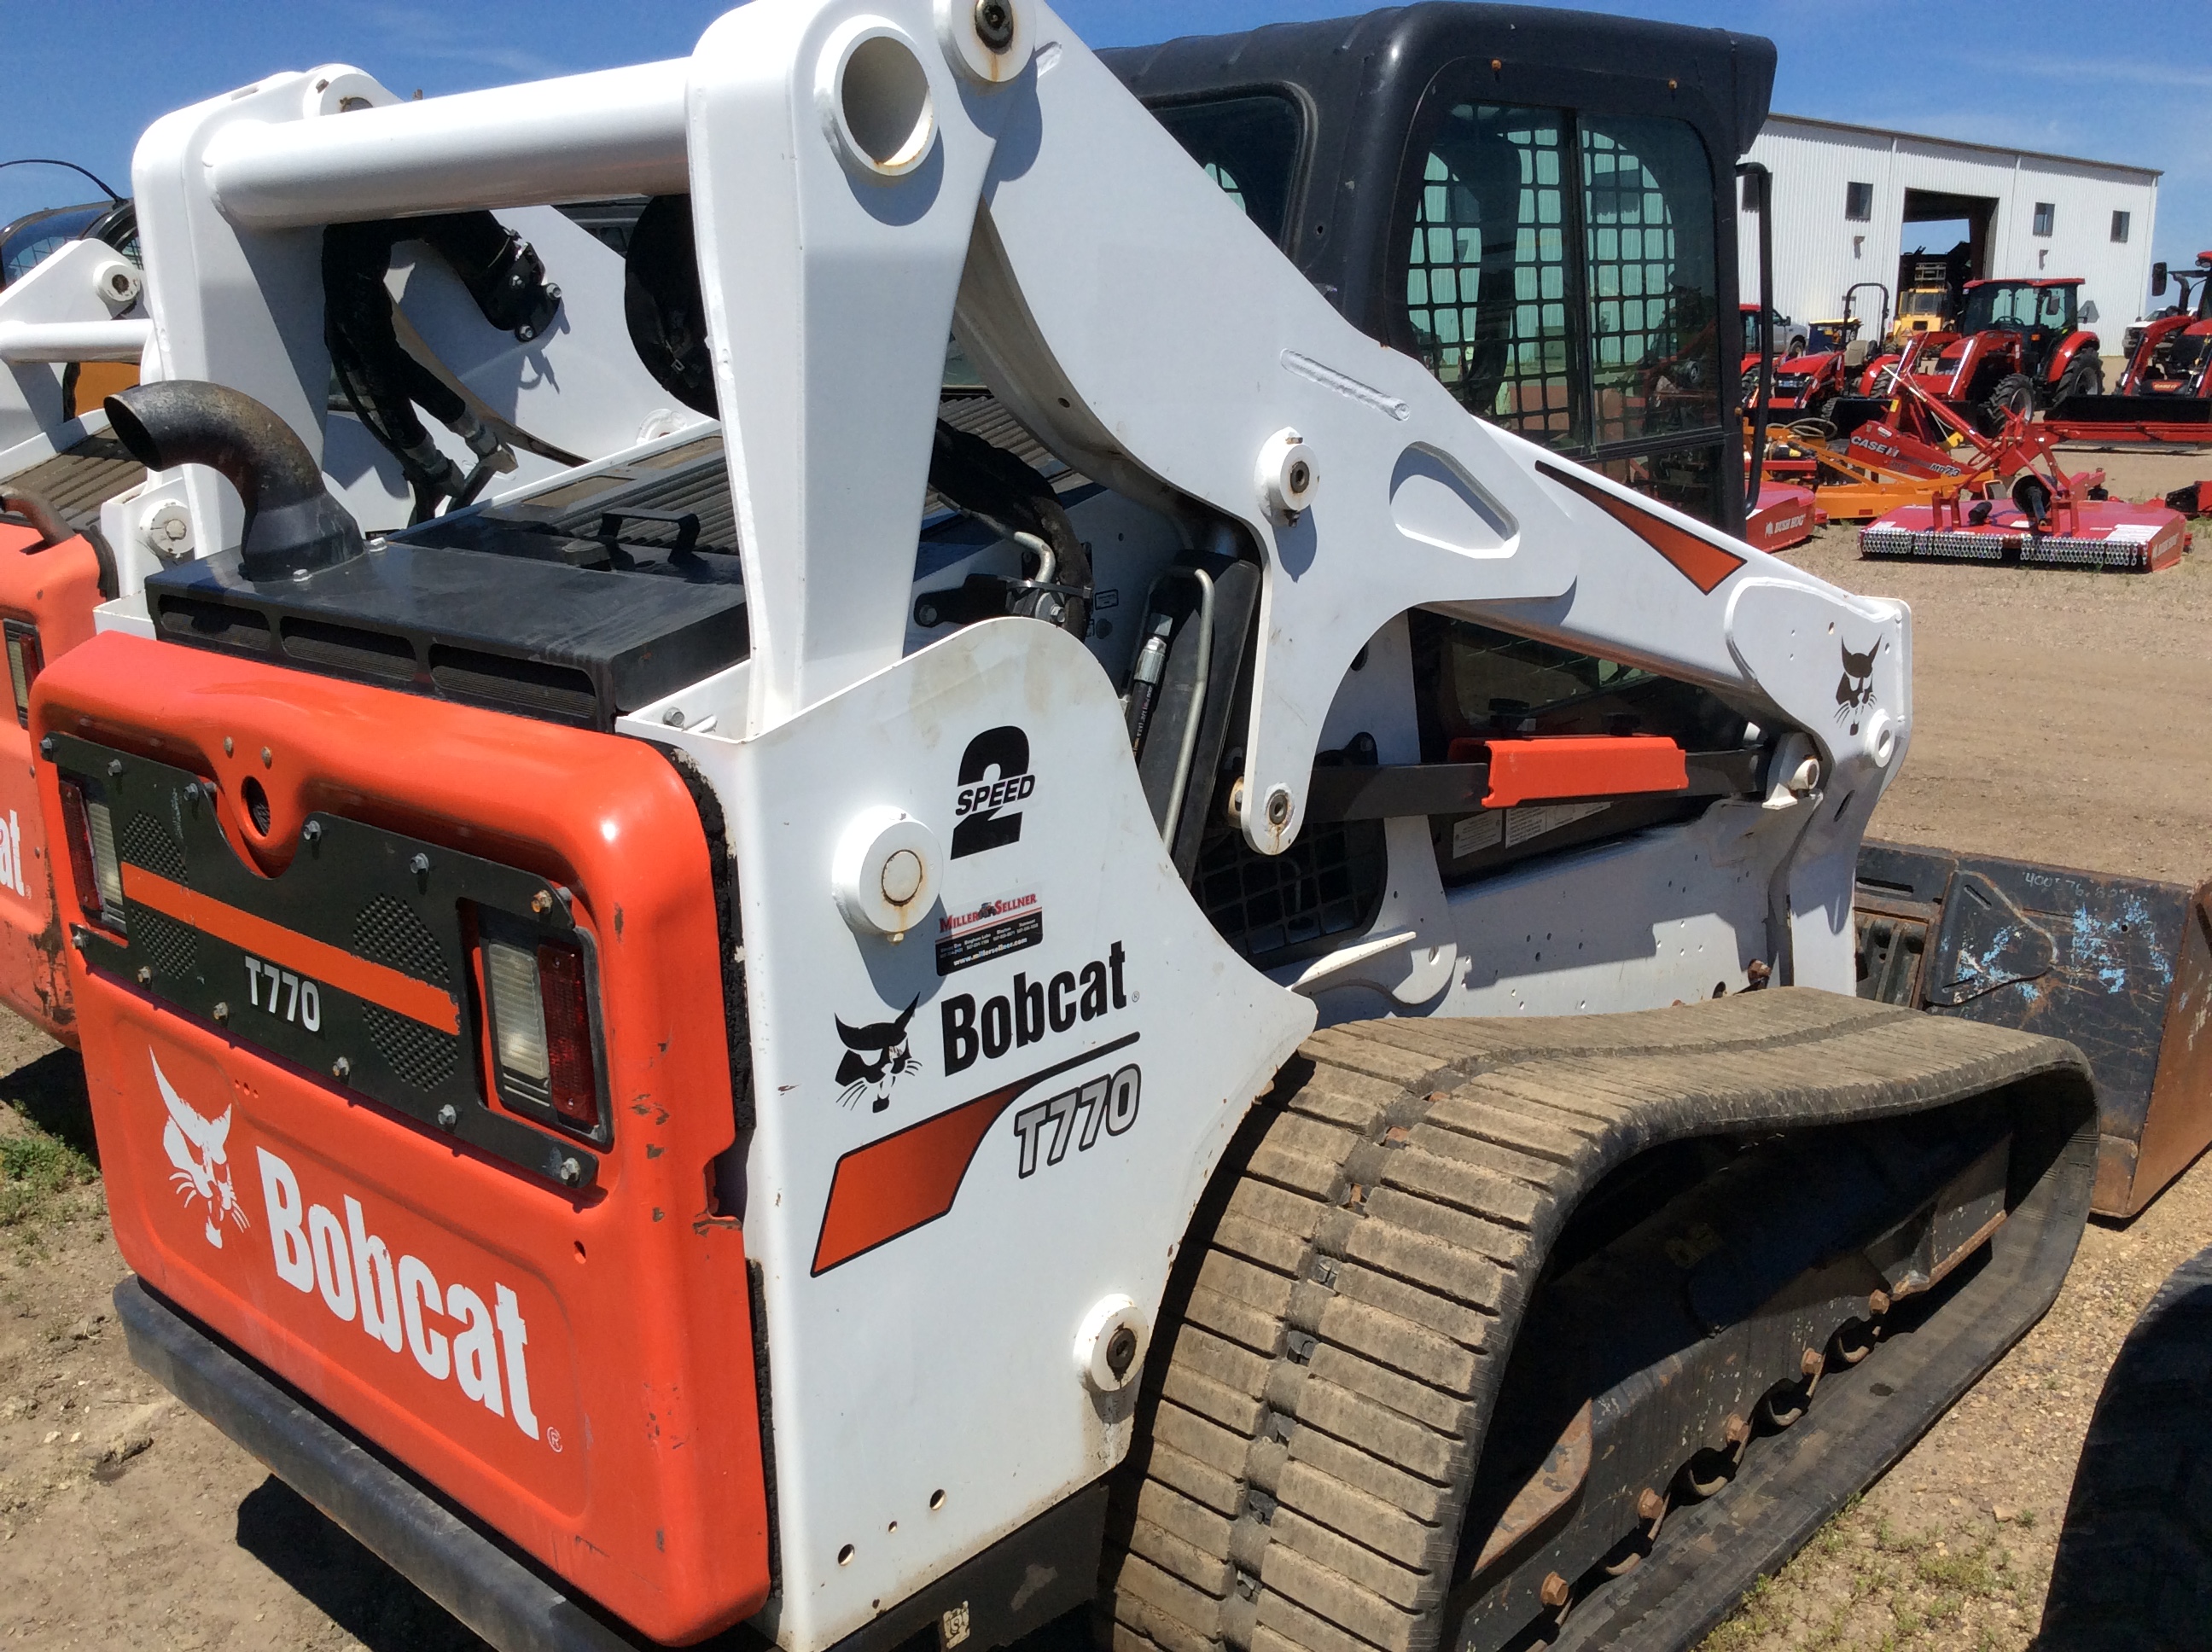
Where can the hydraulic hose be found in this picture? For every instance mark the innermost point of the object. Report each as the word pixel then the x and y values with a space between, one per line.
pixel 293 525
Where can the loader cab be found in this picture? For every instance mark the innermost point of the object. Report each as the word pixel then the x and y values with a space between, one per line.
pixel 1538 206
pixel 30 239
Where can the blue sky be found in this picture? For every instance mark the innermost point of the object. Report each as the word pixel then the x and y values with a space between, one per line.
pixel 2123 79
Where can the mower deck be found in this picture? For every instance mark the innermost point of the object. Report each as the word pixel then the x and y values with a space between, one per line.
pixel 2109 534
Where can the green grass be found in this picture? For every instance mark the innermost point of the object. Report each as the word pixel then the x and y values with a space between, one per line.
pixel 37 1174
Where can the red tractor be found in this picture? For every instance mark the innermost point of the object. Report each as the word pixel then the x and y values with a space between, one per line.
pixel 2018 348
pixel 2164 393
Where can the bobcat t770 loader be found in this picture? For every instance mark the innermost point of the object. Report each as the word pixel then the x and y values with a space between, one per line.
pixel 1203 984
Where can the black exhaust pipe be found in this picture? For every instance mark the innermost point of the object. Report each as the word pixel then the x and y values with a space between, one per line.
pixel 293 525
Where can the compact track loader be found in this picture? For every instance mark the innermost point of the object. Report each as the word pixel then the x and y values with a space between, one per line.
pixel 1199 983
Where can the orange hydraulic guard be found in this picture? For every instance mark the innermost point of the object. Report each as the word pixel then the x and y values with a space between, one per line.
pixel 571 1363
pixel 49 591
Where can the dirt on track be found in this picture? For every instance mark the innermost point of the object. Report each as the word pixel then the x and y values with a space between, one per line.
pixel 2059 717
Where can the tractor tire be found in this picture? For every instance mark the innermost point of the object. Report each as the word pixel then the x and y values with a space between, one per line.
pixel 1334 1344
pixel 2084 376
pixel 2014 393
pixel 2135 1558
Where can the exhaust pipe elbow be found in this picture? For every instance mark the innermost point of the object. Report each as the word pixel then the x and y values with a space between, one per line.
pixel 293 525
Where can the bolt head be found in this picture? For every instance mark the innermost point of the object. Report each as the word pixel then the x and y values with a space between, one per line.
pixel 448 1116
pixel 994 23
pixel 221 1011
pixel 47 747
pixel 268 758
pixel 1555 1591
pixel 1649 1505
pixel 420 864
pixel 341 1067
pixel 145 976
pixel 542 903
pixel 673 717
pixel 1279 807
pixel 114 768
pixel 572 1173
pixel 1121 1352
pixel 312 832
pixel 902 877
pixel 229 745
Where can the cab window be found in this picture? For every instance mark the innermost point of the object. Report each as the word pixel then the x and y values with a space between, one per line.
pixel 1248 145
pixel 1487 286
pixel 1561 276
pixel 1653 293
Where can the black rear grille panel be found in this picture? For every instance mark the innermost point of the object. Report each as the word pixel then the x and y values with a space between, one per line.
pixel 399 1035
pixel 1275 908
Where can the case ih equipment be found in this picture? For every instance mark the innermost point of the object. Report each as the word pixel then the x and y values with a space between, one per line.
pixel 588 1105
pixel 2018 347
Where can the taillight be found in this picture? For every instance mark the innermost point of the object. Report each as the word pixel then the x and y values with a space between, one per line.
pixel 541 1029
pixel 26 659
pixel 93 865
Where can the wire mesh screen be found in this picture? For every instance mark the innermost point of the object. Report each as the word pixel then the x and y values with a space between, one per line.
pixel 1487 277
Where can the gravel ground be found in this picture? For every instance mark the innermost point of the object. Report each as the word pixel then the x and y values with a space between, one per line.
pixel 2061 717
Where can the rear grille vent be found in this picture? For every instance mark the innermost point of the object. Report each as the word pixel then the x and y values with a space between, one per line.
pixel 421 1055
pixel 173 949
pixel 146 842
pixel 1272 908
pixel 388 932
pixel 530 685
pixel 349 648
pixel 212 625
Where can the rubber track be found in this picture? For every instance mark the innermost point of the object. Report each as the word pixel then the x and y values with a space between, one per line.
pixel 1309 1439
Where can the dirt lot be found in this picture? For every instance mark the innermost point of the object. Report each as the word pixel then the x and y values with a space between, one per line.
pixel 2061 717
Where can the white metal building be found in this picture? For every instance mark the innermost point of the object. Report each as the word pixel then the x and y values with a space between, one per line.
pixel 1849 201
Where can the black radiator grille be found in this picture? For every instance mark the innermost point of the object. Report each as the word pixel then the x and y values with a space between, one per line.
pixel 1276 908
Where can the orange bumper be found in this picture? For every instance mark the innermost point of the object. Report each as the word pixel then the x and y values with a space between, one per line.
pixel 573 1367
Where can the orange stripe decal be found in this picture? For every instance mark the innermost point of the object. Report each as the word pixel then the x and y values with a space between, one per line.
pixel 906 1180
pixel 1698 559
pixel 374 983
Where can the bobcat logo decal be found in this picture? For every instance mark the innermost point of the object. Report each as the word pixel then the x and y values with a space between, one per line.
pixel 876 1056
pixel 196 1146
pixel 1855 690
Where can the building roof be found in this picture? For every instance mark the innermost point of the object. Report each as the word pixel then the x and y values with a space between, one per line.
pixel 1963 143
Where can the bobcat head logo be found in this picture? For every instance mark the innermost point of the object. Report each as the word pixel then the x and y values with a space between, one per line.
pixel 196 1146
pixel 876 1055
pixel 1855 690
